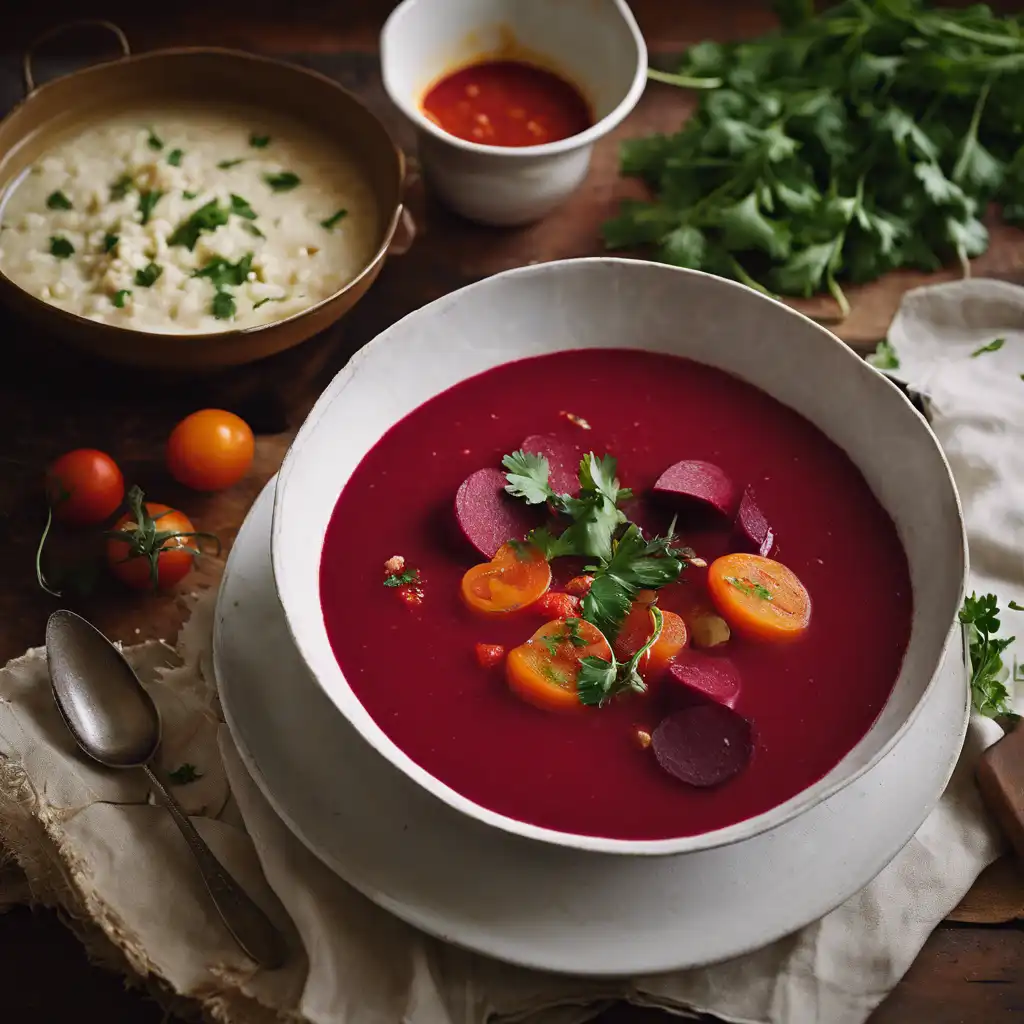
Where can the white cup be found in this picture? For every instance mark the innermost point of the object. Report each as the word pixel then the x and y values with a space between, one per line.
pixel 595 44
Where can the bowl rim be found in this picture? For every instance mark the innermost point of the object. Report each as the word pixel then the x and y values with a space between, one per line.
pixel 373 734
pixel 208 337
pixel 585 138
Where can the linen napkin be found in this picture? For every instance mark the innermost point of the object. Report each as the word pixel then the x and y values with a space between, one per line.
pixel 92 842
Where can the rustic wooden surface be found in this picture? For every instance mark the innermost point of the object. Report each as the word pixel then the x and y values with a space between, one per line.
pixel 51 400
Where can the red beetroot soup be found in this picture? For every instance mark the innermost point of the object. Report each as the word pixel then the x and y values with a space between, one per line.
pixel 409 652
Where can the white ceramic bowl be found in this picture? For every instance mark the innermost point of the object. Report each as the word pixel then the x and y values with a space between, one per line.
pixel 614 303
pixel 594 43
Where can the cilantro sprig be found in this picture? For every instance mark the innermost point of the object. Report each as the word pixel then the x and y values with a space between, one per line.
pixel 989 693
pixel 599 680
pixel 623 561
pixel 853 141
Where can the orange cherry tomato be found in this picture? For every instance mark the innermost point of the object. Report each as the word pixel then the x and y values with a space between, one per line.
pixel 84 487
pixel 636 630
pixel 544 670
pixel 556 605
pixel 210 450
pixel 489 655
pixel 516 577
pixel 579 585
pixel 760 598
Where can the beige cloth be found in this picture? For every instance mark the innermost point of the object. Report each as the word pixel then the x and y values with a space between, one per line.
pixel 92 842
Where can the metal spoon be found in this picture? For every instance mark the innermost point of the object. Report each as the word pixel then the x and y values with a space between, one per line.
pixel 114 720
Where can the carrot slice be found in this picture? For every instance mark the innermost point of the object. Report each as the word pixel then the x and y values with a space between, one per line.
pixel 636 630
pixel 516 577
pixel 544 670
pixel 760 598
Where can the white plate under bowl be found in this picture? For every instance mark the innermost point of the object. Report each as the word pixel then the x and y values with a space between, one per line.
pixel 538 905
pixel 600 303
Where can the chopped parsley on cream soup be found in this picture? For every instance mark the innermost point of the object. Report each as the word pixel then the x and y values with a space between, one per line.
pixel 189 220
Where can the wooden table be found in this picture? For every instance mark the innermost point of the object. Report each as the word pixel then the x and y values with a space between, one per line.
pixel 969 971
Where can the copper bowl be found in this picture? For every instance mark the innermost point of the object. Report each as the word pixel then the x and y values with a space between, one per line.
pixel 64 105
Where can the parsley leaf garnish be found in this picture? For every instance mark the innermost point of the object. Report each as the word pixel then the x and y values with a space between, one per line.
pixel 122 187
pixel 989 694
pixel 259 141
pixel 240 207
pixel 993 346
pixel 188 194
pixel 226 164
pixel 329 222
pixel 225 274
pixel 208 217
pixel 61 247
pixel 110 242
pixel 148 275
pixel 58 201
pixel 400 579
pixel 223 306
pixel 174 157
pixel 147 200
pixel 154 141
pixel 751 588
pixel 184 774
pixel 283 182
pixel 119 298
pixel 819 153
pixel 599 680
pixel 527 477
pixel 884 357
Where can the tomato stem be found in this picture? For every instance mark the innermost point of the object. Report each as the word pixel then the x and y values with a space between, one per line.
pixel 40 575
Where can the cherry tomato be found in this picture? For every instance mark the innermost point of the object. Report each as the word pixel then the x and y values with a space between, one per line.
pixel 557 605
pixel 759 597
pixel 489 655
pixel 210 450
pixel 152 547
pixel 84 487
pixel 544 670
pixel 516 576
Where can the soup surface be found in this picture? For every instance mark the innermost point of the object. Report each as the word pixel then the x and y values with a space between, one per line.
pixel 507 103
pixel 189 220
pixel 409 652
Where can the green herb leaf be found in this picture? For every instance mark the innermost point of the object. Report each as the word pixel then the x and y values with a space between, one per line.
pixel 208 217
pixel 148 275
pixel 527 477
pixel 110 242
pixel 259 141
pixel 122 187
pixel 226 164
pixel 61 247
pixel 58 201
pixel 402 579
pixel 750 588
pixel 329 222
pixel 240 207
pixel 174 157
pixel 253 230
pixel 989 693
pixel 598 681
pixel 225 274
pixel 148 200
pixel 119 298
pixel 884 357
pixel 993 346
pixel 1016 607
pixel 189 195
pixel 283 182
pixel 268 298
pixel 154 141
pixel 223 307
pixel 184 774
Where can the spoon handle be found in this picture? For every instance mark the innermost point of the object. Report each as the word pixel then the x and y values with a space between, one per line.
pixel 252 929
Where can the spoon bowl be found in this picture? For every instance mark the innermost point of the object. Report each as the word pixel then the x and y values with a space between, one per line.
pixel 114 720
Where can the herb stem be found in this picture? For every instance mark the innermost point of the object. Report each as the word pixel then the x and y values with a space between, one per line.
pixel 683 81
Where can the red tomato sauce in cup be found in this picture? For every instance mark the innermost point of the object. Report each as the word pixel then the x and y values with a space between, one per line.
pixel 507 103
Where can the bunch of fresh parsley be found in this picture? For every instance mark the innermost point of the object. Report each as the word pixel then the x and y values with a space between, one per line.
pixel 989 693
pixel 623 562
pixel 846 144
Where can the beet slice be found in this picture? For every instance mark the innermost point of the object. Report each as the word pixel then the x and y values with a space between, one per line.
pixel 563 461
pixel 699 481
pixel 488 515
pixel 707 679
pixel 752 525
pixel 704 745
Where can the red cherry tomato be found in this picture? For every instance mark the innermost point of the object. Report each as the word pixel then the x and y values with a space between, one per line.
pixel 152 547
pixel 210 450
pixel 84 487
